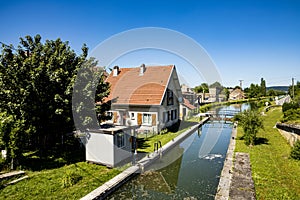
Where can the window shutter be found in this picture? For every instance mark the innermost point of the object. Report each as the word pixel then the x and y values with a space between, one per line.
pixel 139 118
pixel 115 117
pixel 153 119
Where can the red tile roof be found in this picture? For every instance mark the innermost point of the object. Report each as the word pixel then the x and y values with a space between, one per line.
pixel 187 104
pixel 129 87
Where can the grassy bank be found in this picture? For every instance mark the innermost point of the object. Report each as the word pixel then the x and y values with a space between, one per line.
pixel 48 184
pixel 146 145
pixel 275 175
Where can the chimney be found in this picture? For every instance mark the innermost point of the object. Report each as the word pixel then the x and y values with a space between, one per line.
pixel 116 71
pixel 142 69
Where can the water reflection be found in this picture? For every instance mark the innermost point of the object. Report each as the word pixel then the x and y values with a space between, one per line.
pixel 194 169
pixel 189 175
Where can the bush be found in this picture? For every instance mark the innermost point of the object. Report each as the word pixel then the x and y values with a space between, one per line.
pixel 291 115
pixel 295 153
pixel 289 106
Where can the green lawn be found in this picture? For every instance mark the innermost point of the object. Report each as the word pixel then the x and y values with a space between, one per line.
pixel 49 183
pixel 147 144
pixel 275 175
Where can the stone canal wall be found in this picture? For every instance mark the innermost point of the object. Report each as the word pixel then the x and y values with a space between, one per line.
pixel 226 174
pixel 111 185
pixel 290 132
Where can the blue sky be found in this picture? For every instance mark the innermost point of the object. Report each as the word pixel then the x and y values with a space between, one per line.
pixel 246 39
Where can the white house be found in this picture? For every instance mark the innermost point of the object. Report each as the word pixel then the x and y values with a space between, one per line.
pixel 145 96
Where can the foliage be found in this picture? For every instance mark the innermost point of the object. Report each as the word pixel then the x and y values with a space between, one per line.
pixel 289 106
pixel 253 91
pixel 263 88
pixel 291 115
pixel 90 87
pixel 296 90
pixel 215 84
pixel 273 92
pixel 275 175
pixel 295 153
pixel 201 88
pixel 36 85
pixel 251 123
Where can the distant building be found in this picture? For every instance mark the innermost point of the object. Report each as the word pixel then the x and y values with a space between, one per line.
pixel 236 94
pixel 186 109
pixel 189 94
pixel 214 94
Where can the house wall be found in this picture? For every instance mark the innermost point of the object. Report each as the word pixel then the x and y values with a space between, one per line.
pixel 171 110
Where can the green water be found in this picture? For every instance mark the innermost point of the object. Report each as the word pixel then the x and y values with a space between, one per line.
pixel 190 170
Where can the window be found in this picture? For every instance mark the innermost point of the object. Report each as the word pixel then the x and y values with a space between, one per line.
pixel 147 119
pixel 170 99
pixel 165 117
pixel 132 116
pixel 174 114
pixel 120 140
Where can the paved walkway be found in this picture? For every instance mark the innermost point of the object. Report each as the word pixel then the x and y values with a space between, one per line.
pixel 226 174
pixel 242 185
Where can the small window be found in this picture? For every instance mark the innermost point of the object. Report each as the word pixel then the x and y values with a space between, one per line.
pixel 170 99
pixel 147 119
pixel 120 140
pixel 132 116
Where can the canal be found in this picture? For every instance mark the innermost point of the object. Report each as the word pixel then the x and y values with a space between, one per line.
pixel 191 170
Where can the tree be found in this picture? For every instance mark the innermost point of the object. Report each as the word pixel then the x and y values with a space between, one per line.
pixel 251 123
pixel 36 85
pixel 263 89
pixel 227 93
pixel 201 88
pixel 216 84
pixel 253 91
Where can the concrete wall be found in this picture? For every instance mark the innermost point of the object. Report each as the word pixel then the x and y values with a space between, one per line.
pixel 290 132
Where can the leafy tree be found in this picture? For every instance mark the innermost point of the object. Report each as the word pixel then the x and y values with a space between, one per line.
pixel 36 85
pixel 227 93
pixel 201 88
pixel 253 91
pixel 251 123
pixel 296 90
pixel 216 84
pixel 263 88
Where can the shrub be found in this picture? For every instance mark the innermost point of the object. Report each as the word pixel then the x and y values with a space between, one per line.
pixel 291 115
pixel 295 153
pixel 289 106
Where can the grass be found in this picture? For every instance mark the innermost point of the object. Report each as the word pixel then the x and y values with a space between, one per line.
pixel 275 175
pixel 49 183
pixel 146 145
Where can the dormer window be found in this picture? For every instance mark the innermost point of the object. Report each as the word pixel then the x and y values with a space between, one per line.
pixel 170 97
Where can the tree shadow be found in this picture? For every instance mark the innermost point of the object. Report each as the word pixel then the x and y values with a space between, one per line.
pixel 72 151
pixel 142 144
pixel 261 140
pixel 181 125
pixel 257 141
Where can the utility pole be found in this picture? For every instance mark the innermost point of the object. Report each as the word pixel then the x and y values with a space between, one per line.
pixel 241 84
pixel 293 88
